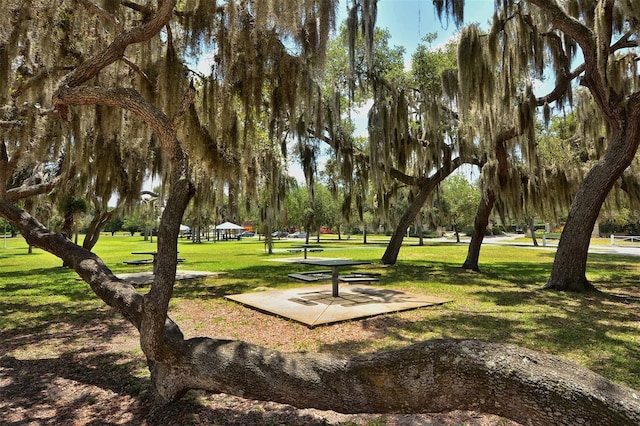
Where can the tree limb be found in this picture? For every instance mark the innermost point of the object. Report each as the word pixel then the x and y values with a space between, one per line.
pixel 156 301
pixel 130 100
pixel 136 69
pixel 22 192
pixel 112 290
pixel 584 36
pixel 115 50
pixel 434 376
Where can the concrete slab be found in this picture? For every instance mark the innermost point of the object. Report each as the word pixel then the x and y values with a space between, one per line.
pixel 315 306
pixel 144 278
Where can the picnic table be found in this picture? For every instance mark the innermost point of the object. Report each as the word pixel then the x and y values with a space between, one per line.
pixel 298 248
pixel 335 265
pixel 147 261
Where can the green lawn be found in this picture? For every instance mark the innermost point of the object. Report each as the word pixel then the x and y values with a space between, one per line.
pixel 504 303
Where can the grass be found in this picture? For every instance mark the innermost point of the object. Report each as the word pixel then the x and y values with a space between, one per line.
pixel 503 303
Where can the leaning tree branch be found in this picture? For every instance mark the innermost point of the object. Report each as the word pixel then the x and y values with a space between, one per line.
pixel 434 376
pixel 563 81
pixel 22 192
pixel 594 78
pixel 90 68
pixel 136 69
pixel 112 290
pixel 130 100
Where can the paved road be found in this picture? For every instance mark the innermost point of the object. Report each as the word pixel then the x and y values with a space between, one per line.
pixel 509 239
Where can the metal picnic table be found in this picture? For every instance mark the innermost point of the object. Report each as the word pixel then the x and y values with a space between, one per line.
pixel 154 254
pixel 307 247
pixel 335 265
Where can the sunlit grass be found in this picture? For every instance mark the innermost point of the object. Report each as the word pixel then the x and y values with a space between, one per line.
pixel 503 303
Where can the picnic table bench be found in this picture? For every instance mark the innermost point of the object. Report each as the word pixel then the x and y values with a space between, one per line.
pixel 360 277
pixel 138 262
pixel 311 276
pixel 357 278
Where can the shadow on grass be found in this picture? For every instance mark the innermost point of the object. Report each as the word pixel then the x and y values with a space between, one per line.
pixel 47 296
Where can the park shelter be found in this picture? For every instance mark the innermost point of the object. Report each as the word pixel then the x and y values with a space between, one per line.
pixel 227 231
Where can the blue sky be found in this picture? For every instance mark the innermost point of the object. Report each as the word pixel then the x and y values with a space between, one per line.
pixel 409 21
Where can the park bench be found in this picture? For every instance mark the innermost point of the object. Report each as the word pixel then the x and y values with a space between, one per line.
pixel 315 250
pixel 294 250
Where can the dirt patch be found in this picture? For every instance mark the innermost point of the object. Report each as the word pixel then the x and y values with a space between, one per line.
pixel 93 373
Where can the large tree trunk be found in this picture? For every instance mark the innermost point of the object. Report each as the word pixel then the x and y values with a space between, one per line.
pixel 390 255
pixel 570 263
pixel 426 186
pixel 480 224
pixel 620 109
pixel 434 376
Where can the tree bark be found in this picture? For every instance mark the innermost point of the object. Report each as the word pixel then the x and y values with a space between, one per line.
pixel 480 223
pixel 435 376
pixel 156 301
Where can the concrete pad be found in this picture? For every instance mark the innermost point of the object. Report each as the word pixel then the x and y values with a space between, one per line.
pixel 315 306
pixel 144 278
